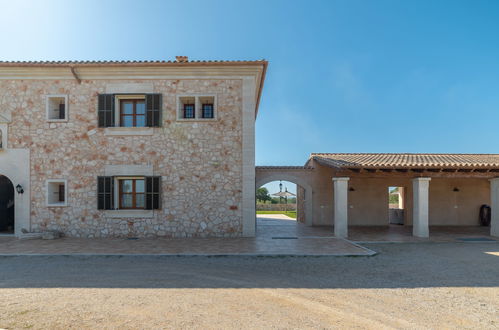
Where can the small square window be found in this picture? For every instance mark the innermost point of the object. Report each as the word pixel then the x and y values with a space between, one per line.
pixel 56 193
pixel 196 107
pixel 187 108
pixel 207 107
pixel 57 107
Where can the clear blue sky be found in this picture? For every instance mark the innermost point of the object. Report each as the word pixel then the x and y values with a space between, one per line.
pixel 344 76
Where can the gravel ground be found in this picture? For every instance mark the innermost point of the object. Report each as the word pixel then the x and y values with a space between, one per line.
pixel 448 285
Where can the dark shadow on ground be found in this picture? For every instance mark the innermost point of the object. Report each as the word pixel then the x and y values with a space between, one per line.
pixel 396 266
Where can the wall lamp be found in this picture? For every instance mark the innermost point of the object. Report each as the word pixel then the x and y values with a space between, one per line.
pixel 456 189
pixel 351 189
pixel 19 189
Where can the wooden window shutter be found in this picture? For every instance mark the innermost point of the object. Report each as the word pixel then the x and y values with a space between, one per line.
pixel 105 193
pixel 153 110
pixel 153 192
pixel 106 110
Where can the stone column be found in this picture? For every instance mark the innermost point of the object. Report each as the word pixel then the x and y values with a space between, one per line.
pixel 340 186
pixel 494 205
pixel 420 187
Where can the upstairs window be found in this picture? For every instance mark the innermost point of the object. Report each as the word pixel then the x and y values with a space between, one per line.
pixel 129 110
pixel 189 111
pixel 56 107
pixel 132 113
pixel 207 107
pixel 207 110
pixel 196 107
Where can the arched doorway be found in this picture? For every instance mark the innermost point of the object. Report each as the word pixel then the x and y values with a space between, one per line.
pixel 7 214
pixel 279 198
pixel 304 192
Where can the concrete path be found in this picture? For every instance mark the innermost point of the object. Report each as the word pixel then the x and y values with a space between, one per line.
pixel 276 237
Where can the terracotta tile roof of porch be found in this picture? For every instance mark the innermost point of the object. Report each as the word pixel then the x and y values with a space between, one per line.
pixel 394 160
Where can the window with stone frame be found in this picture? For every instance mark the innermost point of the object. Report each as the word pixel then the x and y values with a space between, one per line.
pixel 131 193
pixel 196 107
pixel 132 112
pixel 129 110
pixel 128 192
pixel 56 192
pixel 56 108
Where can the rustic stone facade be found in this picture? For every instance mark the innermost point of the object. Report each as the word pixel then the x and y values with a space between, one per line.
pixel 200 162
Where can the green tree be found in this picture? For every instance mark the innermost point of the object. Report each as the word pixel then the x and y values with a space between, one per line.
pixel 262 195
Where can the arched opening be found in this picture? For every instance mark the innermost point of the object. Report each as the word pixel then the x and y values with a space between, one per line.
pixel 7 215
pixel 277 201
pixel 303 192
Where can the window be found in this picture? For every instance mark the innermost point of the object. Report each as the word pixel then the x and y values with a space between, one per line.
pixel 207 107
pixel 207 110
pixel 196 107
pixel 56 193
pixel 129 110
pixel 56 107
pixel 189 111
pixel 132 113
pixel 132 194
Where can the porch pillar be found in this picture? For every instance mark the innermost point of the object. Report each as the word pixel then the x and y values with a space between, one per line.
pixel 494 205
pixel 340 186
pixel 420 187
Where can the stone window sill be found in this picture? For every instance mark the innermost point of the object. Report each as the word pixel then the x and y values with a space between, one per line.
pixel 196 120
pixel 57 205
pixel 128 131
pixel 129 213
pixel 57 120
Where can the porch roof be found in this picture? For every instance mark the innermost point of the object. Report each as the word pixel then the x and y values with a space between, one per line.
pixel 481 162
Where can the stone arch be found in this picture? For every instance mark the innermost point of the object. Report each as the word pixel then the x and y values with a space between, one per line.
pixel 265 177
pixel 15 165
pixel 7 205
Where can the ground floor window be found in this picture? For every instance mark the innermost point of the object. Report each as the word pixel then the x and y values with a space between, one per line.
pixel 132 193
pixel 128 192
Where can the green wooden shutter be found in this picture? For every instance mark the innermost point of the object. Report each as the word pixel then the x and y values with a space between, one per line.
pixel 105 193
pixel 153 110
pixel 153 192
pixel 106 110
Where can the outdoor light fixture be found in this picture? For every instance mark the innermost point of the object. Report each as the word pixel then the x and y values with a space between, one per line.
pixel 19 189
pixel 351 189
pixel 455 189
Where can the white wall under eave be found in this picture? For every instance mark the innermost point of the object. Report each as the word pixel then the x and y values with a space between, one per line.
pixel 15 165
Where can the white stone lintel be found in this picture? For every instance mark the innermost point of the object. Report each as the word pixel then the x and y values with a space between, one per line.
pixel 341 178
pixel 127 170
pixel 421 179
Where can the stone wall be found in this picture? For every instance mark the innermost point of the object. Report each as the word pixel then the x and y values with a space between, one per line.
pixel 200 162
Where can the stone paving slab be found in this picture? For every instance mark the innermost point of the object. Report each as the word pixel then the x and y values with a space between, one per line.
pixel 301 246
pixel 277 235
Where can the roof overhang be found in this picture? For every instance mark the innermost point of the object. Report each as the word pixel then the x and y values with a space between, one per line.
pixel 341 163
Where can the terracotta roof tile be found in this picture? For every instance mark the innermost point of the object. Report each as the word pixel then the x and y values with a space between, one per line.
pixel 129 62
pixel 391 160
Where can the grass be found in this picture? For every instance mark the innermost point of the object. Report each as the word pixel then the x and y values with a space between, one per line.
pixel 291 214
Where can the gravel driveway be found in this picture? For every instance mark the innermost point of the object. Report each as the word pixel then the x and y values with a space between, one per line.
pixel 451 285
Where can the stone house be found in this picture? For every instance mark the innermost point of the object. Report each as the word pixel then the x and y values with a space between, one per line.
pixel 120 149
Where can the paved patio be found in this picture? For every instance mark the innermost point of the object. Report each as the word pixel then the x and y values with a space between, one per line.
pixel 397 233
pixel 277 236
